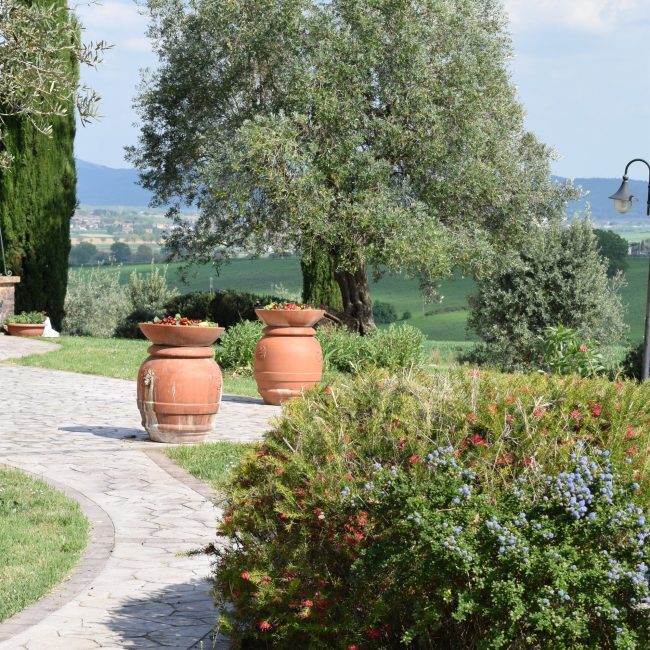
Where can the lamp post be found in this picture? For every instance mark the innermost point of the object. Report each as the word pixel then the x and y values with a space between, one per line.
pixel 622 203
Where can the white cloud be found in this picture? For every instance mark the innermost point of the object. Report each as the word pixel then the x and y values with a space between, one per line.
pixel 584 15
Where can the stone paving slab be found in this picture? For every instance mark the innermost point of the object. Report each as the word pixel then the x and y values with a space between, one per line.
pixel 85 432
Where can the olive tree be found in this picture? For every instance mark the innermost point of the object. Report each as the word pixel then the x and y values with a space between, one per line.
pixel 39 46
pixel 383 133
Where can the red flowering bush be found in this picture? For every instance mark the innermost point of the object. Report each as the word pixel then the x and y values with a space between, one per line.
pixel 459 510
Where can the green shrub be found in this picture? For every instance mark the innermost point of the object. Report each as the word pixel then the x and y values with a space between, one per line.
pixel 197 304
pixel 224 307
pixel 27 318
pixel 394 348
pixel 343 350
pixel 384 312
pixel 148 295
pixel 236 347
pixel 95 303
pixel 459 510
pixel 565 352
pixel 559 279
pixel 632 366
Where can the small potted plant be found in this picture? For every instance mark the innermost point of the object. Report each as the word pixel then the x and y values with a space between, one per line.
pixel 27 323
pixel 179 383
pixel 288 358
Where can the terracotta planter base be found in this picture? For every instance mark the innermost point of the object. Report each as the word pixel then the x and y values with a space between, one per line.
pixel 179 393
pixel 25 329
pixel 288 361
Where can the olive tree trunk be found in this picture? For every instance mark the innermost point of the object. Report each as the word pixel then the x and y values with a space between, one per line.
pixel 319 286
pixel 357 302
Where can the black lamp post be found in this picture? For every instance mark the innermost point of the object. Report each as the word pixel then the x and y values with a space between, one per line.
pixel 623 202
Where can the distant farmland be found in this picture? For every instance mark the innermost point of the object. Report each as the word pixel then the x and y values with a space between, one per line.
pixel 445 321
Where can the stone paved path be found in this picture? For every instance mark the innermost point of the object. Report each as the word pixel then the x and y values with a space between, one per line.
pixel 134 588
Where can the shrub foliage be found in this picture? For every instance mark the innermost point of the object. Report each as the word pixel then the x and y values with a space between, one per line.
pixel 394 348
pixel 460 510
pixel 558 279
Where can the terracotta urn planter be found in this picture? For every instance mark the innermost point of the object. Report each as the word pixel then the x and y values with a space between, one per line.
pixel 25 329
pixel 288 359
pixel 179 383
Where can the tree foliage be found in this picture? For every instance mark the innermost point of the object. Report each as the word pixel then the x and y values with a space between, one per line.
pixel 83 253
pixel 381 132
pixel 614 248
pixel 558 279
pixel 39 42
pixel 121 252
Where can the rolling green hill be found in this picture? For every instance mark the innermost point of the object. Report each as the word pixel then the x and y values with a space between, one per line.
pixel 445 321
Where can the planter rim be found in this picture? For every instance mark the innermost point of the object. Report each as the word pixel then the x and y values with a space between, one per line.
pixel 290 317
pixel 181 335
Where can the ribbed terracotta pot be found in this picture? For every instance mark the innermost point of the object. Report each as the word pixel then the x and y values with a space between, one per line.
pixel 25 329
pixel 179 393
pixel 179 386
pixel 288 359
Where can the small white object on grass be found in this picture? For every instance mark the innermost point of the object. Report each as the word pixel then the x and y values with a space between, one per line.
pixel 49 331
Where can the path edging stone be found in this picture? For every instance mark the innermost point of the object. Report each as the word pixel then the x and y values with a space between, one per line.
pixel 97 552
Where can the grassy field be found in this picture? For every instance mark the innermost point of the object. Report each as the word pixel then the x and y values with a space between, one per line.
pixel 445 321
pixel 42 536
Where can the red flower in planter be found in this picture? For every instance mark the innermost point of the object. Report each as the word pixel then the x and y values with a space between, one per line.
pixel 245 576
pixel 265 626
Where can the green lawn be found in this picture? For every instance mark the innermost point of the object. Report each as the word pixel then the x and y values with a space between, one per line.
pixel 42 536
pixel 211 462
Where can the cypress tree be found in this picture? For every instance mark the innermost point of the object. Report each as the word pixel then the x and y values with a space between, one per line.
pixel 319 286
pixel 37 200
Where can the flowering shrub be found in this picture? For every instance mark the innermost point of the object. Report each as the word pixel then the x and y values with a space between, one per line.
pixel 459 510
pixel 565 352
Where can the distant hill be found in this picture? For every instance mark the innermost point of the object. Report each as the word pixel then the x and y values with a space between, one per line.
pixel 99 185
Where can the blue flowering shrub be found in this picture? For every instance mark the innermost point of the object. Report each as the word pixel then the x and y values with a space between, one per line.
pixel 459 510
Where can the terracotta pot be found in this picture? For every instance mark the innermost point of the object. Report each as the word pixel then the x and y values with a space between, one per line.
pixel 288 361
pixel 25 329
pixel 179 392
pixel 287 318
pixel 180 335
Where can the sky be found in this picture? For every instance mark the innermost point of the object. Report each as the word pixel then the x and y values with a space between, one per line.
pixel 582 69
